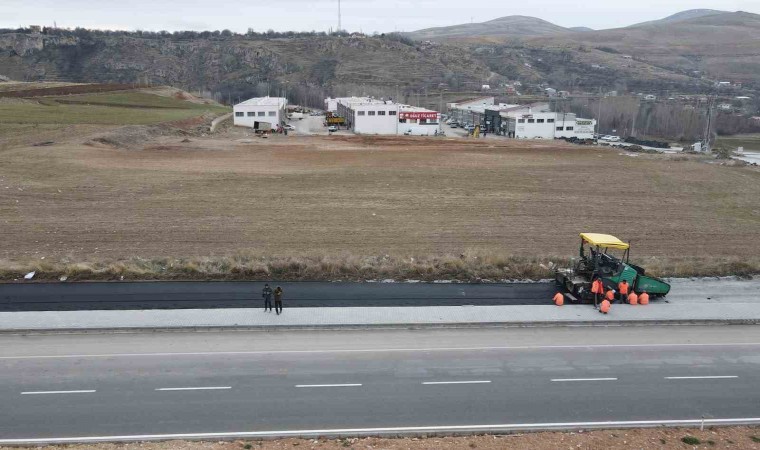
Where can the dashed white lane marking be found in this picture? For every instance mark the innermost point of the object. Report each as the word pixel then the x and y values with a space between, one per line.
pixel 86 391
pixel 458 382
pixel 713 377
pixel 200 388
pixel 584 379
pixel 327 385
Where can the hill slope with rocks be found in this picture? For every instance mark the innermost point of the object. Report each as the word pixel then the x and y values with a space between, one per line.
pixel 240 66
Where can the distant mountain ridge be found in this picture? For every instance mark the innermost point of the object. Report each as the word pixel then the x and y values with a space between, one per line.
pixel 513 26
pixel 684 15
pixel 526 26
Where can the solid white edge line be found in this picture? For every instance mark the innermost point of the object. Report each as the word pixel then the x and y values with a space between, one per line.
pixel 208 388
pixel 708 377
pixel 86 391
pixel 457 382
pixel 327 385
pixel 584 379
pixel 383 350
pixel 372 431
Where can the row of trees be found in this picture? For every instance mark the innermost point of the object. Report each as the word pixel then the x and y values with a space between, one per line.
pixel 251 34
pixel 627 116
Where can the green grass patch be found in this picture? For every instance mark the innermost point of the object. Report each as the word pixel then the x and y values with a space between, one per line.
pixel 30 113
pixel 690 440
pixel 755 439
pixel 129 99
pixel 113 108
pixel 748 141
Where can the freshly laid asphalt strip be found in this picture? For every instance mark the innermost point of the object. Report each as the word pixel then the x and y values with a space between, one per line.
pixel 209 295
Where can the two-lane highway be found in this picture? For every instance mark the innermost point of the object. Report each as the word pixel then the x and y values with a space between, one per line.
pixel 137 386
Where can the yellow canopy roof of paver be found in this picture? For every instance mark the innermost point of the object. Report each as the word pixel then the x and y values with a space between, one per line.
pixel 604 240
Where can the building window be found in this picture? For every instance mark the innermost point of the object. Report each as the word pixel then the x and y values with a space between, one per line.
pixel 251 114
pixel 560 128
pixel 262 113
pixel 391 113
pixel 272 113
pixel 549 120
pixel 370 113
pixel 361 113
pixel 520 120
pixel 539 120
pixel 381 113
pixel 531 120
pixel 239 114
pixel 570 128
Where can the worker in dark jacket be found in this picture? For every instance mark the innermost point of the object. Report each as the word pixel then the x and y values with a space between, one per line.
pixel 278 300
pixel 597 288
pixel 267 294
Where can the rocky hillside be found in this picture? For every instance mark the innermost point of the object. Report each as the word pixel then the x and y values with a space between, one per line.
pixel 721 46
pixel 688 51
pixel 240 66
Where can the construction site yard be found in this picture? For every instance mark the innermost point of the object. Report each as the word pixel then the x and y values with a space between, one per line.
pixel 736 438
pixel 87 197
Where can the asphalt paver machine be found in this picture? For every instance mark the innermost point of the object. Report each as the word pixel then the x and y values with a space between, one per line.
pixel 605 256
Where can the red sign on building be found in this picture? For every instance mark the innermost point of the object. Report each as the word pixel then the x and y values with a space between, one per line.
pixel 418 115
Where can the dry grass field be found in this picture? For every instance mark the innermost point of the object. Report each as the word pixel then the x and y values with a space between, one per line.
pixel 345 197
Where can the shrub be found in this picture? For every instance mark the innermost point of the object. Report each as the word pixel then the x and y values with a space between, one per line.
pixel 690 440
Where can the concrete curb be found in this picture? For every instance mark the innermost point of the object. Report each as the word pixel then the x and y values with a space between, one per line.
pixel 390 326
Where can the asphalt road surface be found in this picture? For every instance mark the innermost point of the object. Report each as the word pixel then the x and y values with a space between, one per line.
pixel 248 384
pixel 203 295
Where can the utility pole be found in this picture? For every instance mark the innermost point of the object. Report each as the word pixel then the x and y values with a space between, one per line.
pixel 708 130
pixel 599 116
pixel 339 17
pixel 635 116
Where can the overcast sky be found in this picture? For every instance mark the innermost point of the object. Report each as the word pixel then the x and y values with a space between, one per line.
pixel 358 15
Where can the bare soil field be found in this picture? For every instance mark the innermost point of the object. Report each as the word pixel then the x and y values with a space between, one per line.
pixel 737 438
pixel 343 196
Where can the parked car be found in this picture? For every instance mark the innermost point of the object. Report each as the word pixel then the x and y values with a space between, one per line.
pixel 332 128
pixel 612 138
pixel 469 128
pixel 454 125
pixel 289 127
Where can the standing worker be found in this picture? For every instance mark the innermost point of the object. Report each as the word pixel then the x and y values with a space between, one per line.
pixel 278 300
pixel 597 288
pixel 559 299
pixel 267 294
pixel 623 290
pixel 644 298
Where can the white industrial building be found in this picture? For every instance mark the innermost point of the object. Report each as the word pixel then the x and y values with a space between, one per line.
pixel 331 104
pixel 261 109
pixel 548 125
pixel 533 121
pixel 366 115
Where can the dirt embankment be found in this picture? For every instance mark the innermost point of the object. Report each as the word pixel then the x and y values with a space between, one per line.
pixel 734 438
